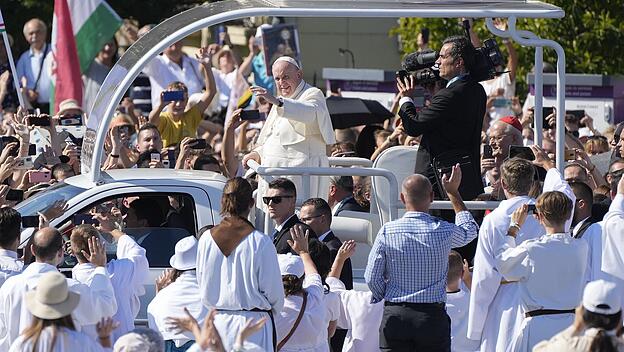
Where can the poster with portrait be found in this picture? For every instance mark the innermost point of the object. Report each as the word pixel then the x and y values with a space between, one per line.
pixel 280 40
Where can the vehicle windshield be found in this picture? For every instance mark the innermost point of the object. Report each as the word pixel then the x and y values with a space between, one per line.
pixel 43 200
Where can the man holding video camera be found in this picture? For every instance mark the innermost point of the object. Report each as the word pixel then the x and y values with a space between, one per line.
pixel 451 125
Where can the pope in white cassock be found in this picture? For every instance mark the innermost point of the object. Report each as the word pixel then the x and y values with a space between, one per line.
pixel 298 128
pixel 495 312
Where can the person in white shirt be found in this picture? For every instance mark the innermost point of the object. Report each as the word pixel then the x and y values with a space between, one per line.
pixel 173 66
pixel 547 293
pixel 179 296
pixel 237 269
pixel 52 330
pixel 34 66
pixel 301 325
pixel 613 227
pixel 127 273
pixel 457 302
pixel 97 298
pixel 583 227
pixel 595 325
pixel 10 229
pixel 495 311
pixel 361 317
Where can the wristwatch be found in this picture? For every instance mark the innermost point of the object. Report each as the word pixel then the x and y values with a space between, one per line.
pixel 280 102
pixel 510 231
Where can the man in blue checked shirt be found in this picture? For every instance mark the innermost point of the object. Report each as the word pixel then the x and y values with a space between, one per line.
pixel 408 263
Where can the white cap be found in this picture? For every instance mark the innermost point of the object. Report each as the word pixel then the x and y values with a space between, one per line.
pixel 288 59
pixel 185 256
pixel 602 297
pixel 290 264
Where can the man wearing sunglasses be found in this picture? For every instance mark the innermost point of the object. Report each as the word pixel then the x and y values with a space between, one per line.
pixel 280 200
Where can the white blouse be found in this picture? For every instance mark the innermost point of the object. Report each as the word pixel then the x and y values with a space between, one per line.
pixel 66 340
pixel 311 334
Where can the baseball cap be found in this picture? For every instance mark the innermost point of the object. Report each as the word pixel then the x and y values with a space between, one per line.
pixel 602 297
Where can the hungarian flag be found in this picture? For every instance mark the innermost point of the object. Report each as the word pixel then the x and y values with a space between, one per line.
pixel 80 29
pixel 2 26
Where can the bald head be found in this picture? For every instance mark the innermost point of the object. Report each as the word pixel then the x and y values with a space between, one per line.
pixel 417 192
pixel 287 77
pixel 47 242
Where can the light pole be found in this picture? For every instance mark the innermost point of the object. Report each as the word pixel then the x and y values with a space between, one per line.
pixel 342 52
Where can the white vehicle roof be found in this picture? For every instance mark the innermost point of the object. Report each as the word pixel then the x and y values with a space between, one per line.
pixel 147 176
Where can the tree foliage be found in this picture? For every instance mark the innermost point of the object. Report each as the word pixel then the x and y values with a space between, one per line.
pixel 591 33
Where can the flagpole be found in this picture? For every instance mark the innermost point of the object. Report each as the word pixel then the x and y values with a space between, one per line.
pixel 16 83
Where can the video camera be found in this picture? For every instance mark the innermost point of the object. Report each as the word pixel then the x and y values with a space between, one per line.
pixel 421 64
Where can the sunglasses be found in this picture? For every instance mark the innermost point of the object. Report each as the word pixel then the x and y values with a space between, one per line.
pixel 275 200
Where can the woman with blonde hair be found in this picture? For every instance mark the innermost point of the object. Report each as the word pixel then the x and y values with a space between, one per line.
pixel 52 330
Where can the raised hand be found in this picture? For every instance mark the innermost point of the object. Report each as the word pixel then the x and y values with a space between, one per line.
pixel 260 92
pixel 165 279
pixel 451 183
pixel 251 327
pixel 346 250
pixel 185 323
pixel 406 86
pixel 541 158
pixel 97 256
pixel 204 56
pixel 299 242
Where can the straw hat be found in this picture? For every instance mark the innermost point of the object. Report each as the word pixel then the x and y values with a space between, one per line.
pixel 51 299
pixel 185 256
pixel 68 104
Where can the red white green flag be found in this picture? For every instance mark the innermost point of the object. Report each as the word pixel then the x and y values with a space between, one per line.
pixel 80 28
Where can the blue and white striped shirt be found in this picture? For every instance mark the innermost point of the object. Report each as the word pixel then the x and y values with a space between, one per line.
pixel 409 259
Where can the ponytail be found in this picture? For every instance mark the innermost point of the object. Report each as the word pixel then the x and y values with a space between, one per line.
pixel 237 197
pixel 602 342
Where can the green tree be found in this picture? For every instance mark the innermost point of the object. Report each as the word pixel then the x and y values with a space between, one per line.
pixel 591 33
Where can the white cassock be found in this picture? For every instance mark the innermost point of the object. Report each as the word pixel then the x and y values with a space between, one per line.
pixel 10 265
pixel 495 312
pixel 171 301
pixel 297 135
pixel 550 271
pixel 249 278
pixel 66 340
pixel 127 273
pixel 613 235
pixel 360 317
pixel 311 333
pixel 97 300
pixel 593 237
pixel 457 304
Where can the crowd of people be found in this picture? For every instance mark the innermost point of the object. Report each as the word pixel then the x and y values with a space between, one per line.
pixel 544 271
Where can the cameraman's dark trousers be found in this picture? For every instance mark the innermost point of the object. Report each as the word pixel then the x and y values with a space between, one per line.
pixel 415 327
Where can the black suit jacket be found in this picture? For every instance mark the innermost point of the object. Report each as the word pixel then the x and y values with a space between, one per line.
pixel 333 243
pixel 453 121
pixel 349 204
pixel 281 239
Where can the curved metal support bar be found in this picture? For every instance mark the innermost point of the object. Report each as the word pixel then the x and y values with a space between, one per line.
pixel 337 171
pixel 349 161
pixel 561 85
pixel 539 68
pixel 179 26
pixel 470 205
